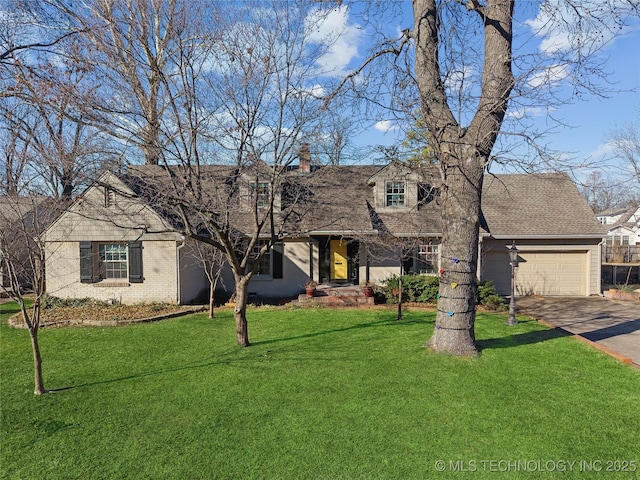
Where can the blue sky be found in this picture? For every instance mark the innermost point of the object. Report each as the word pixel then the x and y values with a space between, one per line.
pixel 586 122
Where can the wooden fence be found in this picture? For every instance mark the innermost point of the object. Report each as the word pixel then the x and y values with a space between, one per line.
pixel 621 254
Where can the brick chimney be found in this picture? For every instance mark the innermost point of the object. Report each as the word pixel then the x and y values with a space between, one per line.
pixel 304 159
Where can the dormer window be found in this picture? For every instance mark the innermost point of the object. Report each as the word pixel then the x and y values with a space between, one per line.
pixel 395 194
pixel 426 193
pixel 260 193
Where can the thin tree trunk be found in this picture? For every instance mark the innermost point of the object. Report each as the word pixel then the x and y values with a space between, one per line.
pixel 240 313
pixel 33 324
pixel 399 314
pixel 212 299
pixel 37 362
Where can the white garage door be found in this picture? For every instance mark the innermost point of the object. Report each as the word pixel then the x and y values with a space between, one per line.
pixel 539 273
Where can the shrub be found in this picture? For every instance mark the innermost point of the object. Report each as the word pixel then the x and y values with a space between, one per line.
pixel 424 289
pixel 415 288
pixel 488 297
pixel 50 301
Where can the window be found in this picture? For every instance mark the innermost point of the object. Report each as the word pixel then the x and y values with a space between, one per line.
pixel 264 263
pixel 260 194
pixel 428 259
pixel 112 260
pixel 619 240
pixel 423 260
pixel 272 262
pixel 427 193
pixel 395 194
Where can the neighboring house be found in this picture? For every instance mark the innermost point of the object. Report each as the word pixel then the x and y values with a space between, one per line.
pixel 114 244
pixel 22 219
pixel 623 235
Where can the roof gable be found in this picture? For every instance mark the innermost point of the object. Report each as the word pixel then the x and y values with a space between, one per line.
pixel 109 210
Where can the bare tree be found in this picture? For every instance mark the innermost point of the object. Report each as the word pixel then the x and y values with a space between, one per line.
pixel 213 261
pixel 239 103
pixel 604 192
pixel 465 151
pixel 626 143
pixel 43 90
pixel 22 263
pixel 26 28
pixel 333 144
pixel 128 47
pixel 16 154
pixel 63 148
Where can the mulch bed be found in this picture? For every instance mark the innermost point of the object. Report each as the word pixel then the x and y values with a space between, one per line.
pixel 101 315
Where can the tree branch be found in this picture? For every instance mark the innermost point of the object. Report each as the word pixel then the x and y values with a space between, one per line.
pixel 7 53
pixel 396 50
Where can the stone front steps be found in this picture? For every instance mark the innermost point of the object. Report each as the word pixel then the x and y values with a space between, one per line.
pixel 345 296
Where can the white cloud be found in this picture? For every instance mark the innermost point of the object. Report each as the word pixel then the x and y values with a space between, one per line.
pixel 317 90
pixel 582 28
pixel 604 151
pixel 550 76
pixel 459 81
pixel 527 112
pixel 331 30
pixel 385 126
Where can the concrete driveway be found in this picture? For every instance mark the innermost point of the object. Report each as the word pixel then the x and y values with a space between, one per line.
pixel 614 325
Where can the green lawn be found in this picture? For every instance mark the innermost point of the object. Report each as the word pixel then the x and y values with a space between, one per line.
pixel 321 394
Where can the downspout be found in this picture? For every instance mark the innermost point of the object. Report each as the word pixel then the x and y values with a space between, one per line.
pixel 479 265
pixel 311 273
pixel 600 292
pixel 367 271
pixel 181 244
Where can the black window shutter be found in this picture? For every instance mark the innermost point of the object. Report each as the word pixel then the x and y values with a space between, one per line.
pixel 278 256
pixel 86 263
pixel 135 262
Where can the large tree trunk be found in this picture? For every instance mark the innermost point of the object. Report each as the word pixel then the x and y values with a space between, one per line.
pixel 240 312
pixel 463 154
pixel 461 195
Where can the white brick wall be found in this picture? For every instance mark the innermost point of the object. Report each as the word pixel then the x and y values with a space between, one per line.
pixel 159 260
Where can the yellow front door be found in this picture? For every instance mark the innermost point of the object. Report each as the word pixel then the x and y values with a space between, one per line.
pixel 338 249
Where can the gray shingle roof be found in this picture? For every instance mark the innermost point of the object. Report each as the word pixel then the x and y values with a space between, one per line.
pixel 537 205
pixel 342 200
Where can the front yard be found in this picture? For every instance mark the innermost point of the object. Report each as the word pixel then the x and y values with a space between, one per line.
pixel 321 394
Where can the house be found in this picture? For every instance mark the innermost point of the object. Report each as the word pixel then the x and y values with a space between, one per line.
pixel 623 225
pixel 22 219
pixel 621 253
pixel 352 223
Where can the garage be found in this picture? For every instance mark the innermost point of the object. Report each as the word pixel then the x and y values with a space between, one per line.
pixel 539 273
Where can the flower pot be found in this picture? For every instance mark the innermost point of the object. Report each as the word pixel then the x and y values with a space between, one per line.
pixel 368 291
pixel 311 292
